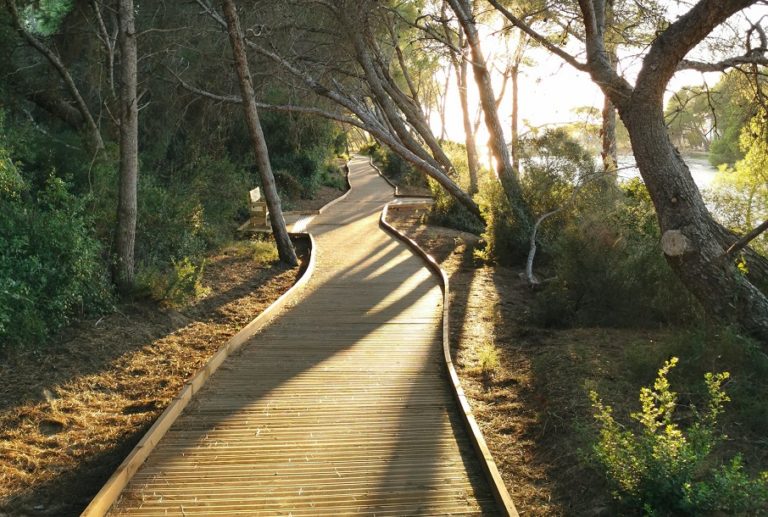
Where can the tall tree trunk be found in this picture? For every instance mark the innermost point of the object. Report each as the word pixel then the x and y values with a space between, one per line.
pixel 462 79
pixel 506 173
pixel 443 102
pixel 284 246
pixel 125 236
pixel 608 130
pixel 515 137
pixel 608 137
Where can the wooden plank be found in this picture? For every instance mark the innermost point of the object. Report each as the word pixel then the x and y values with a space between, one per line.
pixel 500 491
pixel 339 405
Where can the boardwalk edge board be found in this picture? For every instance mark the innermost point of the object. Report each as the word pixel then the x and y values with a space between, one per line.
pixel 500 491
pixel 114 486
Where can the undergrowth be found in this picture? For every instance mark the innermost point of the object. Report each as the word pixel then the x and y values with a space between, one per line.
pixel 665 467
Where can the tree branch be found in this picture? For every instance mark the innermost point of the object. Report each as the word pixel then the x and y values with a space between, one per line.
pixel 520 24
pixel 749 237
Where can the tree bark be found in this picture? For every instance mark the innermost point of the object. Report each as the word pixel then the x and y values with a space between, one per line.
pixel 608 130
pixel 473 160
pixel 515 137
pixel 125 235
pixel 608 137
pixel 462 80
pixel 284 246
pixel 692 241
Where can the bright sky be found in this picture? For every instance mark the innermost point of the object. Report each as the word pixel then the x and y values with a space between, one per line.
pixel 549 90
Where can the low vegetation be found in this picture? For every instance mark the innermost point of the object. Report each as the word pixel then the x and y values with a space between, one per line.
pixel 665 468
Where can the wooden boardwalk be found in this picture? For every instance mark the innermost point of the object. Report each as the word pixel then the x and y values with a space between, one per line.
pixel 339 406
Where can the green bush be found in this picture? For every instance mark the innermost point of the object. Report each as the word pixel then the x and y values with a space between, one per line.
pixel 50 265
pixel 448 212
pixel 667 469
pixel 374 150
pixel 401 172
pixel 503 242
pixel 552 165
pixel 609 268
pixel 177 286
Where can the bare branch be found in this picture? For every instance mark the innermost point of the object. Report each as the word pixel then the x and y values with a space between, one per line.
pixel 520 24
pixel 749 237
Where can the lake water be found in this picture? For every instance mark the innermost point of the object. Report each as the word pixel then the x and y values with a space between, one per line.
pixel 703 173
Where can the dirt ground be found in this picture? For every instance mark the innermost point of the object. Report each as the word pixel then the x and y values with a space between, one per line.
pixel 531 402
pixel 71 412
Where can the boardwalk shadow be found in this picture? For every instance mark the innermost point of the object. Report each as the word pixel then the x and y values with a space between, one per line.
pixel 254 423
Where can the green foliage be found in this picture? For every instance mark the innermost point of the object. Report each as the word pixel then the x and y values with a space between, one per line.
pixel 50 265
pixel 665 468
pixel 374 150
pixel 177 286
pixel 699 349
pixel 44 17
pixel 735 103
pixel 448 212
pixel 263 252
pixel 740 193
pixel 400 171
pixel 553 163
pixel 488 358
pixel 502 244
pixel 688 114
pixel 608 266
pixel 301 147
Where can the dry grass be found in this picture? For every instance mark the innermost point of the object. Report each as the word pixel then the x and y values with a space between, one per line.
pixel 70 413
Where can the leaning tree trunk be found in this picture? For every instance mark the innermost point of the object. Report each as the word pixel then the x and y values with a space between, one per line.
pixel 284 246
pixel 125 236
pixel 692 241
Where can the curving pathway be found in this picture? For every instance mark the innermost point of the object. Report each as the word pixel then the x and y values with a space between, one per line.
pixel 339 406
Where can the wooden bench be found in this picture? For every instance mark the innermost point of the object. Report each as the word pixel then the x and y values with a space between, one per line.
pixel 258 210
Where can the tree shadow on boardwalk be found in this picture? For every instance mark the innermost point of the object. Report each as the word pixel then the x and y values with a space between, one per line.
pixel 254 423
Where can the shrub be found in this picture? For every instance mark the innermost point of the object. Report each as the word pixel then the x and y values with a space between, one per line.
pixel 374 150
pixel 446 211
pixel 401 172
pixel 50 265
pixel 504 243
pixel 552 164
pixel 666 469
pixel 177 286
pixel 488 358
pixel 609 266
